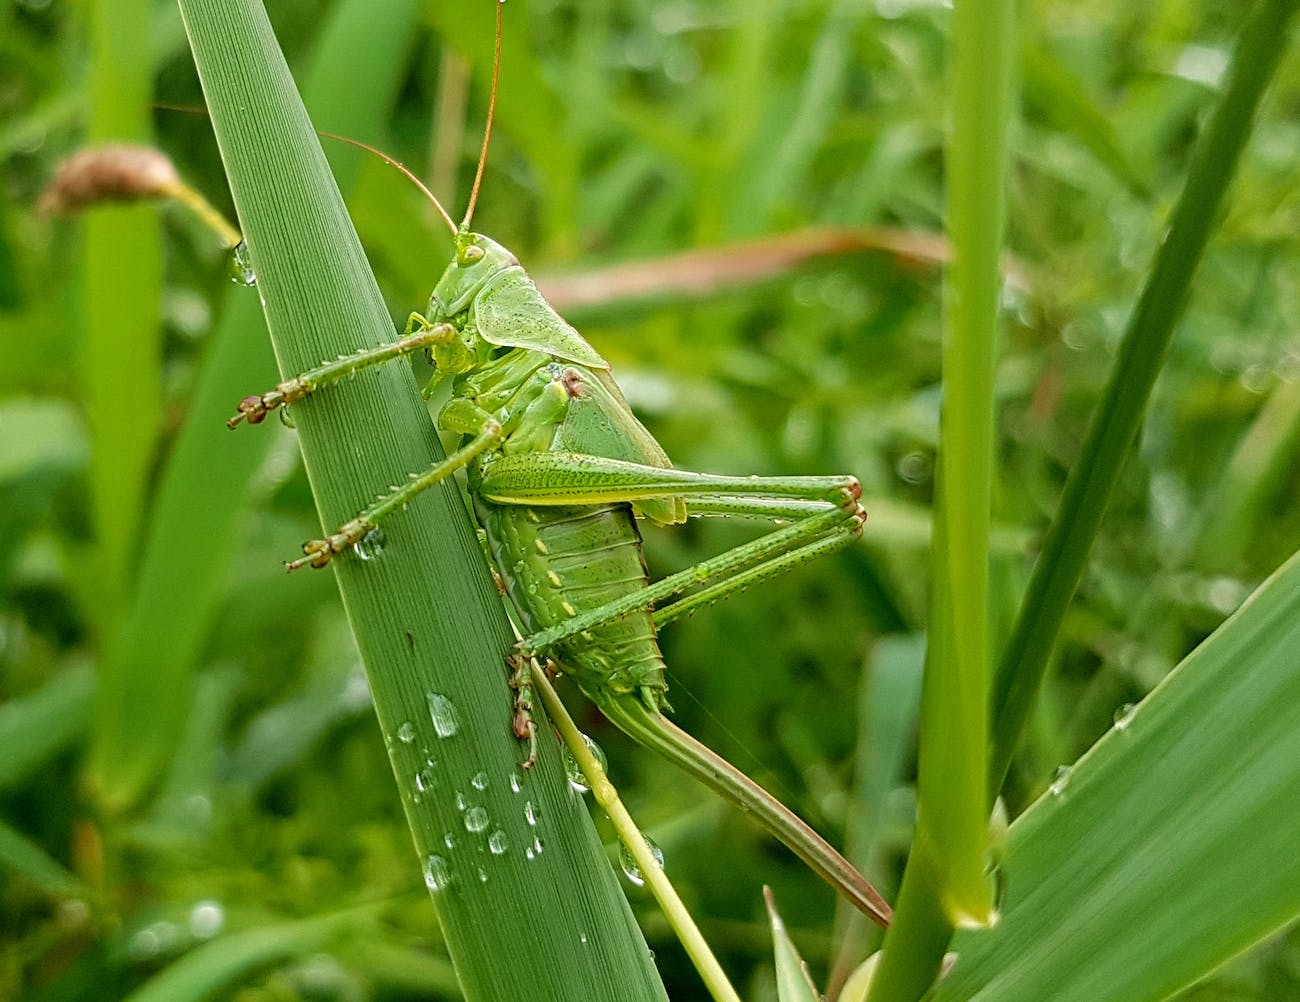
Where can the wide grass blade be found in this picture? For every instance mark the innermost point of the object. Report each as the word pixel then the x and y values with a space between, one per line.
pixel 203 492
pixel 529 907
pixel 1167 849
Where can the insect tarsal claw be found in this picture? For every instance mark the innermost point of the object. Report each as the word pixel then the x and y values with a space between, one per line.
pixel 251 409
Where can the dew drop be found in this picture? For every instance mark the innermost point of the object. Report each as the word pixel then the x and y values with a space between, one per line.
pixel 498 843
pixel 241 265
pixel 206 919
pixel 476 819
pixel 406 733
pixel 515 787
pixel 371 545
pixel 1124 716
pixel 530 814
pixel 424 779
pixel 449 839
pixel 482 875
pixel 437 874
pixel 446 720
pixel 480 781
pixel 1060 780
pixel 915 468
pixel 577 779
pixel 630 868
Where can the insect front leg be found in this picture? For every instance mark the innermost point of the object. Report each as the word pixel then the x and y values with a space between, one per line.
pixel 420 334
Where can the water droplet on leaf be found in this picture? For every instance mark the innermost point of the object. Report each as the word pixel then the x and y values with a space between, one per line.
pixel 498 843
pixel 1060 779
pixel 436 872
pixel 241 265
pixel 1124 716
pixel 406 733
pixel 206 919
pixel 476 819
pixel 443 713
pixel 370 545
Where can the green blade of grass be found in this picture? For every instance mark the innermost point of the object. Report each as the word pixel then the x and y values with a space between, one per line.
pixel 541 919
pixel 1167 849
pixel 1124 400
pixel 35 727
pixel 20 855
pixel 218 965
pixel 121 363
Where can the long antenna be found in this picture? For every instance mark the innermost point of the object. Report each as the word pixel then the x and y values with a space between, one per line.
pixel 451 225
pixel 487 129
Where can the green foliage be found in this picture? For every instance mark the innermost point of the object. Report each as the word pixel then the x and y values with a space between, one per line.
pixel 252 791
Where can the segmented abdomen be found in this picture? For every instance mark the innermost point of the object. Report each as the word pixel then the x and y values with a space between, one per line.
pixel 560 561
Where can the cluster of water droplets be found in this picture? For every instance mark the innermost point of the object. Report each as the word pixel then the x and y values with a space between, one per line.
pixel 164 937
pixel 477 831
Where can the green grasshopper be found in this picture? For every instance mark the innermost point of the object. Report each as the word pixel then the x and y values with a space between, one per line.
pixel 558 469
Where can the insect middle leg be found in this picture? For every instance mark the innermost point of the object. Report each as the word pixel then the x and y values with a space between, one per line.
pixel 467 419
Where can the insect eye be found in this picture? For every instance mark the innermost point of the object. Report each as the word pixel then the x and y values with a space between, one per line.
pixel 471 254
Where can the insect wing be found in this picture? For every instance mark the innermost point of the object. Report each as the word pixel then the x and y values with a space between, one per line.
pixel 600 423
pixel 512 313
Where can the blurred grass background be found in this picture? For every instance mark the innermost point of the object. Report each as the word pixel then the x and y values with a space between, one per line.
pixel 624 133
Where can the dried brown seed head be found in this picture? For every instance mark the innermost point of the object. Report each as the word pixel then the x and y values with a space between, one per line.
pixel 118 173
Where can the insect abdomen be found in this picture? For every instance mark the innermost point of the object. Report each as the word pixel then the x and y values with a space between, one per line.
pixel 560 561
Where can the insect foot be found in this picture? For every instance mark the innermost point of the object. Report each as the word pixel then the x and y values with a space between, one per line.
pixel 253 409
pixel 319 552
pixel 524 726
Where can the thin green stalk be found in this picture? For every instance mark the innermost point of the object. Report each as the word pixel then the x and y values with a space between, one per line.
pixel 945 885
pixel 121 364
pixel 674 909
pixel 1123 402
pixel 528 904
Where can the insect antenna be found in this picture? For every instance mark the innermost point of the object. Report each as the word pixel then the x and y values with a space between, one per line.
pixel 451 225
pixel 487 129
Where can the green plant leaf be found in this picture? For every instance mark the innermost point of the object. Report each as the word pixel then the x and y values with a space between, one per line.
pixel 38 725
pixel 1168 848
pixel 20 854
pixel 427 619
pixel 793 982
